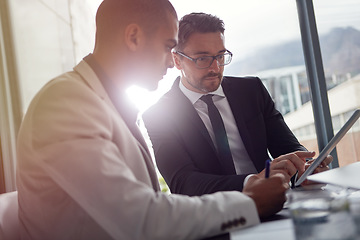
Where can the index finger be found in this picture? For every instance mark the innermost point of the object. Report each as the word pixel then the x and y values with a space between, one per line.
pixel 298 162
pixel 305 154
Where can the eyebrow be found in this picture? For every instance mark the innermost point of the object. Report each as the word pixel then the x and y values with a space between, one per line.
pixel 203 52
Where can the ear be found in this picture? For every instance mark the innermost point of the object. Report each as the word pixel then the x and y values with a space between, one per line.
pixel 134 37
pixel 177 61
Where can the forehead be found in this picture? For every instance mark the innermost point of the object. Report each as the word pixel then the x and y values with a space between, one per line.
pixel 205 42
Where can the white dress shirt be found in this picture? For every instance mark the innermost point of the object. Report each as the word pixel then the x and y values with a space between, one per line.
pixel 242 161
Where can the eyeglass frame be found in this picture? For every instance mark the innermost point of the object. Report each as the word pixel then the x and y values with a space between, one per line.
pixel 213 58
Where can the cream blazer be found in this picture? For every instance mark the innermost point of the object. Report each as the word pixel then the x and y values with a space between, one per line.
pixel 82 175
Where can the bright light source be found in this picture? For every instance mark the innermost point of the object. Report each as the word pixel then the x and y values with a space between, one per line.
pixel 143 98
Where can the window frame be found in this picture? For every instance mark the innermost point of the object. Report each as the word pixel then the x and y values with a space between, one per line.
pixel 316 76
pixel 10 102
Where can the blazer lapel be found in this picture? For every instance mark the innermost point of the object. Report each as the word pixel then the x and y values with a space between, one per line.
pixel 90 77
pixel 188 113
pixel 235 100
pixel 150 166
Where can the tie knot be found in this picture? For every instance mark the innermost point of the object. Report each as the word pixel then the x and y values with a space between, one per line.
pixel 208 99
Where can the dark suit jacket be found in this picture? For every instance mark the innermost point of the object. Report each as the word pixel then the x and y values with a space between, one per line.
pixel 184 152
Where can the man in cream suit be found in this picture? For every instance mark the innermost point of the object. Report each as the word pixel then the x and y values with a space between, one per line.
pixel 84 171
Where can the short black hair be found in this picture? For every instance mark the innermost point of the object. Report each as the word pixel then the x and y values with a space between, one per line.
pixel 197 23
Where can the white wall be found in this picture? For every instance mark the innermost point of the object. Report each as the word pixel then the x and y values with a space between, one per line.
pixel 50 36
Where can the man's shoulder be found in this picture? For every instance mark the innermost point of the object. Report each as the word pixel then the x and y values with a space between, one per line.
pixel 241 80
pixel 167 101
pixel 163 105
pixel 62 84
pixel 243 84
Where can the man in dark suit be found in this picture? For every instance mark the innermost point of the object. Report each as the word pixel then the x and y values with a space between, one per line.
pixel 185 136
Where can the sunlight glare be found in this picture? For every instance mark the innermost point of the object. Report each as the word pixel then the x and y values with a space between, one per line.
pixel 143 98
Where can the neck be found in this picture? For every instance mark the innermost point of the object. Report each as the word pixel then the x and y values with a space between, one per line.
pixel 114 69
pixel 191 87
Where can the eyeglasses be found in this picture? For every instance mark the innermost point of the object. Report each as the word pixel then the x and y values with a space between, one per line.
pixel 206 61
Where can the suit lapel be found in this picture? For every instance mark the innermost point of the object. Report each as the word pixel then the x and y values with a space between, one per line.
pixel 187 113
pixel 150 166
pixel 91 78
pixel 236 101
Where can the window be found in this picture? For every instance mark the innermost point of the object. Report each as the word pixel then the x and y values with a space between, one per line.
pixel 339 27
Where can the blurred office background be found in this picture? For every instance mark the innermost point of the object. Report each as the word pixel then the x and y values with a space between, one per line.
pixel 40 39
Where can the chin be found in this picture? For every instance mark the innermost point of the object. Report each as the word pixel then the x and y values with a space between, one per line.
pixel 212 87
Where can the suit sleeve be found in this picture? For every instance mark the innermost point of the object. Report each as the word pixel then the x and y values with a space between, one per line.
pixel 177 165
pixel 280 139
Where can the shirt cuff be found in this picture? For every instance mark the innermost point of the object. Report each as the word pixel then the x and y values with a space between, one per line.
pixel 246 179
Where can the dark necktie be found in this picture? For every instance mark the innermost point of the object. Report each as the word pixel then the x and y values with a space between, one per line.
pixel 221 139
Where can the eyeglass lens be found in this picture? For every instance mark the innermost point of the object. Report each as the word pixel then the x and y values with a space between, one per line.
pixel 204 62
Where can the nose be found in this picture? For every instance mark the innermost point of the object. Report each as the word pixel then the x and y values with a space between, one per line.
pixel 215 66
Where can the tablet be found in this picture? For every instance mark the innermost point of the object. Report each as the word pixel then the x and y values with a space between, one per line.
pixel 329 147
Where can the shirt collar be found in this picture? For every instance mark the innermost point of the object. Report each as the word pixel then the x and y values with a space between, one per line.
pixel 194 96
